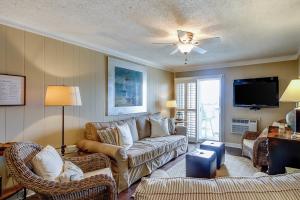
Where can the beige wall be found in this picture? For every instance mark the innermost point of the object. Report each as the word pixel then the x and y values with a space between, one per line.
pixel 46 61
pixel 284 70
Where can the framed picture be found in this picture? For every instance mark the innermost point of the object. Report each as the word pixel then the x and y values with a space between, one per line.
pixel 127 87
pixel 12 90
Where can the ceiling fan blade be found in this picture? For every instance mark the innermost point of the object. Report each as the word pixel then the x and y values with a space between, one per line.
pixel 164 43
pixel 199 50
pixel 197 42
pixel 174 51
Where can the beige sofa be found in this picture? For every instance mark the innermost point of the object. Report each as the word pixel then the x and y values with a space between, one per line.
pixel 146 154
pixel 283 187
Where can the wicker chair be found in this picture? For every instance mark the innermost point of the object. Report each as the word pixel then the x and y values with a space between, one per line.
pixel 255 147
pixel 18 158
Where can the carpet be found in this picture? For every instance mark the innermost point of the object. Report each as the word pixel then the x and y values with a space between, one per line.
pixel 234 166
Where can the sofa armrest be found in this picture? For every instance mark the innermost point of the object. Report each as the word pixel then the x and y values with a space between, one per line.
pixel 112 151
pixel 181 130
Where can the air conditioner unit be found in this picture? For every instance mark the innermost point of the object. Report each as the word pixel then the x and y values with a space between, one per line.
pixel 240 126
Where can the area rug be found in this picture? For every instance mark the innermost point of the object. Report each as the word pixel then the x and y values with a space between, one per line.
pixel 234 166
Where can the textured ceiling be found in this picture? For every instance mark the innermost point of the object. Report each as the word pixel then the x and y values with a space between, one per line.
pixel 249 29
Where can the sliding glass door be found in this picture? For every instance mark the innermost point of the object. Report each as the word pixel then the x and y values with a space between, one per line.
pixel 199 100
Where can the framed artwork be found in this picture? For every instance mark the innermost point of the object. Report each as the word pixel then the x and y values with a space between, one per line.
pixel 12 90
pixel 127 87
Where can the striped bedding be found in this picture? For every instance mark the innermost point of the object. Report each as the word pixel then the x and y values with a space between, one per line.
pixel 279 187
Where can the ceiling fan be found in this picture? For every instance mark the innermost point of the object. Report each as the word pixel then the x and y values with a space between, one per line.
pixel 186 44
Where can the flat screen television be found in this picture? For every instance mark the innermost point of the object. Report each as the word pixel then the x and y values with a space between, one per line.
pixel 256 93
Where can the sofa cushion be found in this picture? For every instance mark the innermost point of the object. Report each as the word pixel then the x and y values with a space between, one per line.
pixel 283 187
pixel 156 116
pixel 92 127
pixel 150 148
pixel 159 127
pixel 132 125
pixel 172 125
pixel 143 126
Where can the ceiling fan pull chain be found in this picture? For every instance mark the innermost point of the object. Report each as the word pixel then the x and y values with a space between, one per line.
pixel 185 60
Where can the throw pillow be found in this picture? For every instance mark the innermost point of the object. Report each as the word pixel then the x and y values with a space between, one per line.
pixel 71 172
pixel 159 128
pixel 125 138
pixel 132 125
pixel 108 136
pixel 172 126
pixel 47 163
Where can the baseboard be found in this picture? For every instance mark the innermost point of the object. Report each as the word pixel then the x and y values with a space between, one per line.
pixel 233 145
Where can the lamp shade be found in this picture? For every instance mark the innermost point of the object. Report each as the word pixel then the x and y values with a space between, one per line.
pixel 62 96
pixel 292 92
pixel 171 104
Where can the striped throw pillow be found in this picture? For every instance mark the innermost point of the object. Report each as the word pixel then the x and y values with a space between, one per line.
pixel 109 136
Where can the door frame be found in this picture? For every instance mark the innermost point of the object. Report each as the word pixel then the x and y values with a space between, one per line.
pixel 222 99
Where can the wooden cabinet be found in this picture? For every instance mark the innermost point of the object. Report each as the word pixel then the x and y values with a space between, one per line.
pixel 282 151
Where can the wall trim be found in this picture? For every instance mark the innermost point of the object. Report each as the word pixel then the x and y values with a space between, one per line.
pixel 142 61
pixel 80 43
pixel 233 145
pixel 238 63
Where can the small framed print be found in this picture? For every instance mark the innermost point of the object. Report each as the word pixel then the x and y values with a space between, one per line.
pixel 12 90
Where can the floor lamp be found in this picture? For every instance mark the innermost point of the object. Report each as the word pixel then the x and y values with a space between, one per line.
pixel 292 94
pixel 62 96
pixel 172 105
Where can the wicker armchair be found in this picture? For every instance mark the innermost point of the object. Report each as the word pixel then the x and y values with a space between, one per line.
pixel 18 158
pixel 254 146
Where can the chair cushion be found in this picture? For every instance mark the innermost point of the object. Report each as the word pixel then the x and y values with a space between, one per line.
pixel 248 143
pixel 150 148
pixel 105 171
pixel 143 126
pixel 47 163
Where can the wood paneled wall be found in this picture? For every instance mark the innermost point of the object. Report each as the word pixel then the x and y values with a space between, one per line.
pixel 46 61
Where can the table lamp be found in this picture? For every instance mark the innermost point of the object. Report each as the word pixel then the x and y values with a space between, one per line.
pixel 171 104
pixel 292 94
pixel 62 96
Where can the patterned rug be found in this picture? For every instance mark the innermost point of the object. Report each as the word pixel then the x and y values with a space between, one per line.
pixel 235 166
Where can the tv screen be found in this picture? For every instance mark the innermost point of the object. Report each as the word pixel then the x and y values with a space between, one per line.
pixel 256 93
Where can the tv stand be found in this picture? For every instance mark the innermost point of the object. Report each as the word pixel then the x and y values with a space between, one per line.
pixel 255 108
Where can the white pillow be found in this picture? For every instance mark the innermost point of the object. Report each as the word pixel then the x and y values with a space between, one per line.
pixel 47 163
pixel 125 138
pixel 159 127
pixel 71 172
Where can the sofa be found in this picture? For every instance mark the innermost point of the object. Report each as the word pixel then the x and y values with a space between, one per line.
pixel 145 155
pixel 283 187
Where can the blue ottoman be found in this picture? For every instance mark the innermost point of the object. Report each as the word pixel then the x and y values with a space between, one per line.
pixel 218 147
pixel 201 164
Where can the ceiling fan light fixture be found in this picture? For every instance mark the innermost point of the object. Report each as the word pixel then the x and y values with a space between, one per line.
pixel 185 48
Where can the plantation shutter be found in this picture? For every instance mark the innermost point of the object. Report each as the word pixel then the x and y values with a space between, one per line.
pixel 186 93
